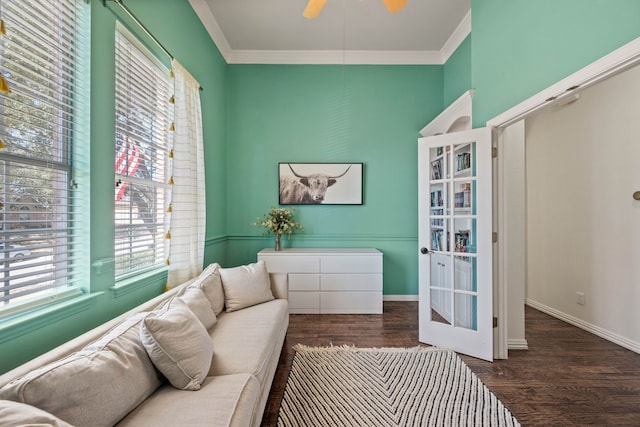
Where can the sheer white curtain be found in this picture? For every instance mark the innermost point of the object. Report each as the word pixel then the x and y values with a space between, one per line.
pixel 187 224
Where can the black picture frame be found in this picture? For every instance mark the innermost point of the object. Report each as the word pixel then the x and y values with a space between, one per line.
pixel 320 183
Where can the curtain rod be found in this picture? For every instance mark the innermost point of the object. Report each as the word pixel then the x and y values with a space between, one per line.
pixel 141 25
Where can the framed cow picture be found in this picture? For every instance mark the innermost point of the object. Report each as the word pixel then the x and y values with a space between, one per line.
pixel 320 183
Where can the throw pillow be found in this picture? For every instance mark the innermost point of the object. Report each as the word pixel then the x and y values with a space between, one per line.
pixel 246 285
pixel 178 345
pixel 96 386
pixel 210 283
pixel 21 414
pixel 198 303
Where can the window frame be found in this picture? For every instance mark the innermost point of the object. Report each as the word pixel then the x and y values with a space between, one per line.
pixel 64 112
pixel 130 276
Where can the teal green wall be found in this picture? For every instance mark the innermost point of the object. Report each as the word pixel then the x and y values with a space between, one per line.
pixel 457 72
pixel 331 113
pixel 520 47
pixel 193 47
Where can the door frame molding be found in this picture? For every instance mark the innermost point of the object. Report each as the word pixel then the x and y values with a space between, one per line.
pixel 609 65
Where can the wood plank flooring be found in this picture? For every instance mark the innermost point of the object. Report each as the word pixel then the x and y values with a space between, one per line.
pixel 568 377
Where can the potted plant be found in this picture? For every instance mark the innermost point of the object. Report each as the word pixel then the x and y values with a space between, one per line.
pixel 279 221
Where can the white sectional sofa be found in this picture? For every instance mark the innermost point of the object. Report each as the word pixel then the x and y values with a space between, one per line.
pixel 202 354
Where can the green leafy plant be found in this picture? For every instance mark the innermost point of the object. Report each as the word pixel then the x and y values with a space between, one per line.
pixel 279 221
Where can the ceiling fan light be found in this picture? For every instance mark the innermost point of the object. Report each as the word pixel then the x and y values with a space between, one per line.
pixel 394 5
pixel 313 9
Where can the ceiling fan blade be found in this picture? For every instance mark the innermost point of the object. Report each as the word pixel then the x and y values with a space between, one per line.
pixel 313 9
pixel 394 5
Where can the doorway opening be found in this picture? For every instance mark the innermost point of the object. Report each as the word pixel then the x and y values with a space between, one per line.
pixel 576 188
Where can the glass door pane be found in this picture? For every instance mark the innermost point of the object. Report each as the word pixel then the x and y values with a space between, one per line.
pixel 452 229
pixel 440 277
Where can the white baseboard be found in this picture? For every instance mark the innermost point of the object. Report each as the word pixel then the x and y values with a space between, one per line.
pixel 517 344
pixel 596 330
pixel 400 298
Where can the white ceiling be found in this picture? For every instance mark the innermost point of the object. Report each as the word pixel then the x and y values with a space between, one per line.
pixel 347 31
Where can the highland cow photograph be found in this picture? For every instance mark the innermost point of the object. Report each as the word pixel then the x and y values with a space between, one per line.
pixel 320 183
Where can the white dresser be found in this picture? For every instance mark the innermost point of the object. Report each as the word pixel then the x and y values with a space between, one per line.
pixel 344 280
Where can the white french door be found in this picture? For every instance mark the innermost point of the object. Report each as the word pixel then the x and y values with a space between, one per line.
pixel 455 230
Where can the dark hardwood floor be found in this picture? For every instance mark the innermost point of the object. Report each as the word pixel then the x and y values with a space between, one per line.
pixel 567 377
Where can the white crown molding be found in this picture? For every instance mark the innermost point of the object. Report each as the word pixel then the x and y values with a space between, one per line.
pixel 457 37
pixel 211 25
pixel 328 57
pixel 350 57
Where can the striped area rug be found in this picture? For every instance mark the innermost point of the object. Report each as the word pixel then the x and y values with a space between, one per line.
pixel 421 386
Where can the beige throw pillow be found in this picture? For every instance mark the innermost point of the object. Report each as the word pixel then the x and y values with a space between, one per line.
pixel 178 345
pixel 96 386
pixel 198 303
pixel 246 285
pixel 211 284
pixel 21 414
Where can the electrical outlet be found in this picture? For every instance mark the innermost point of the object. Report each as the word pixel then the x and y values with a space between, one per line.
pixel 580 298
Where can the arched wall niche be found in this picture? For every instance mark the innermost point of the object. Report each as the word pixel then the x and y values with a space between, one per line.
pixel 461 123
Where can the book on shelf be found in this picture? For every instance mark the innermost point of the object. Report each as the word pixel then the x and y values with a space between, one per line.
pixel 437 222
pixel 463 161
pixel 436 240
pixel 436 169
pixel 466 194
pixel 436 198
pixel 463 198
pixel 462 240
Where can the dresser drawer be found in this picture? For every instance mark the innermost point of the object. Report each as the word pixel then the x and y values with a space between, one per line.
pixel 350 282
pixel 351 264
pixel 351 302
pixel 291 264
pixel 304 302
pixel 304 282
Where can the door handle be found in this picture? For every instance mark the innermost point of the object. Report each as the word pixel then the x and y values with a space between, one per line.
pixel 425 251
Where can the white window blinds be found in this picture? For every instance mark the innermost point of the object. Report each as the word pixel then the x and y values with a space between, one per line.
pixel 43 59
pixel 142 145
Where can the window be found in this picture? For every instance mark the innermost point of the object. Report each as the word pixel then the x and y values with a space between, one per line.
pixel 43 121
pixel 142 146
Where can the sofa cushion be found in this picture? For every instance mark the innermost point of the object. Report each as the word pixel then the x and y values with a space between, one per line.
pixel 262 326
pixel 21 414
pixel 226 400
pixel 211 284
pixel 246 285
pixel 198 303
pixel 178 344
pixel 96 386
